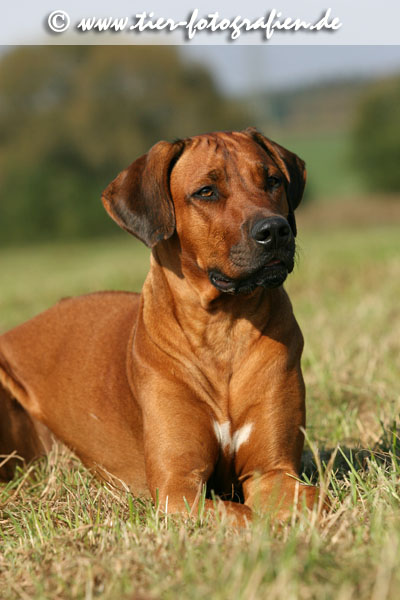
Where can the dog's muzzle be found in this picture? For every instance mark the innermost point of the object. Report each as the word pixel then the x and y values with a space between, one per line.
pixel 268 256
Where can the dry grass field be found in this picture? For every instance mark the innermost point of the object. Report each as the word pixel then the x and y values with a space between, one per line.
pixel 64 535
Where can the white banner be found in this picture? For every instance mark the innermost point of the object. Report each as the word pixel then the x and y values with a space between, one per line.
pixel 285 22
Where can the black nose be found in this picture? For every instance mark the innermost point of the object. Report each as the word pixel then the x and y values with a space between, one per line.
pixel 273 232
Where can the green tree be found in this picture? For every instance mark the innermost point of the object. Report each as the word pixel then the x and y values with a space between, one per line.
pixel 376 139
pixel 72 117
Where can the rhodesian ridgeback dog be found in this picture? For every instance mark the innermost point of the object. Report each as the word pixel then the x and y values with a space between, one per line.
pixel 196 381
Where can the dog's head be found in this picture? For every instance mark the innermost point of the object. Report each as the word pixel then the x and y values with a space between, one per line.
pixel 229 198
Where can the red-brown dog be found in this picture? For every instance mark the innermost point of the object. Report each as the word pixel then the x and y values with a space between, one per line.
pixel 197 380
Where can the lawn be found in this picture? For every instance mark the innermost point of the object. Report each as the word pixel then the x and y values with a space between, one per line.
pixel 64 535
pixel 329 162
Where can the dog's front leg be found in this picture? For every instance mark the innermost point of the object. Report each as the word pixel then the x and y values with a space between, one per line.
pixel 270 407
pixel 180 454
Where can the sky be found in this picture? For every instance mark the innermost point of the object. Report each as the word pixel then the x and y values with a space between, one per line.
pixel 243 68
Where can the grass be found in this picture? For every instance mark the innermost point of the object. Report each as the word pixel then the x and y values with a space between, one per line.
pixel 64 535
pixel 32 279
pixel 330 168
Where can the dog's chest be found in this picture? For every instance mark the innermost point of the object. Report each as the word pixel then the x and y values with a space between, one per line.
pixel 230 441
pixel 224 481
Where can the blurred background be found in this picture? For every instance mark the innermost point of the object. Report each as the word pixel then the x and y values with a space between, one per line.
pixel 71 117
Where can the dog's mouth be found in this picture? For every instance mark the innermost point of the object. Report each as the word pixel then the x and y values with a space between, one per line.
pixel 270 275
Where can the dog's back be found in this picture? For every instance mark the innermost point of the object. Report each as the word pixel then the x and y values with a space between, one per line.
pixel 52 357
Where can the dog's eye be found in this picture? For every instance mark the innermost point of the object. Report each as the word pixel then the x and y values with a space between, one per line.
pixel 205 192
pixel 273 181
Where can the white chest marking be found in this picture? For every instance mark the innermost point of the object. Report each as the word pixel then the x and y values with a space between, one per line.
pixel 231 442
pixel 241 436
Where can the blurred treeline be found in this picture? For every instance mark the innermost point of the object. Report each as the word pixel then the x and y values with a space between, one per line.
pixel 347 130
pixel 376 138
pixel 72 117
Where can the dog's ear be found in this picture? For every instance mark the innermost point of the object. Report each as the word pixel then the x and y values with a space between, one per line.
pixel 291 166
pixel 139 198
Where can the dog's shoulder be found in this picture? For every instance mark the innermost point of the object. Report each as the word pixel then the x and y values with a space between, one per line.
pixel 73 327
pixel 94 308
pixel 110 299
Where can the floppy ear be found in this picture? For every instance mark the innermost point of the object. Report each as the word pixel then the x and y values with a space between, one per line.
pixel 139 198
pixel 291 166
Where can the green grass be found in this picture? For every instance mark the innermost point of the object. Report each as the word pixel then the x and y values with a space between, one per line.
pixel 63 535
pixel 328 157
pixel 32 279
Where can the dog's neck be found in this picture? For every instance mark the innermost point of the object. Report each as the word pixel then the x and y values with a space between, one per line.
pixel 198 307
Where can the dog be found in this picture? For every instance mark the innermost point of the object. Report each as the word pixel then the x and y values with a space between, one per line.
pixel 196 381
